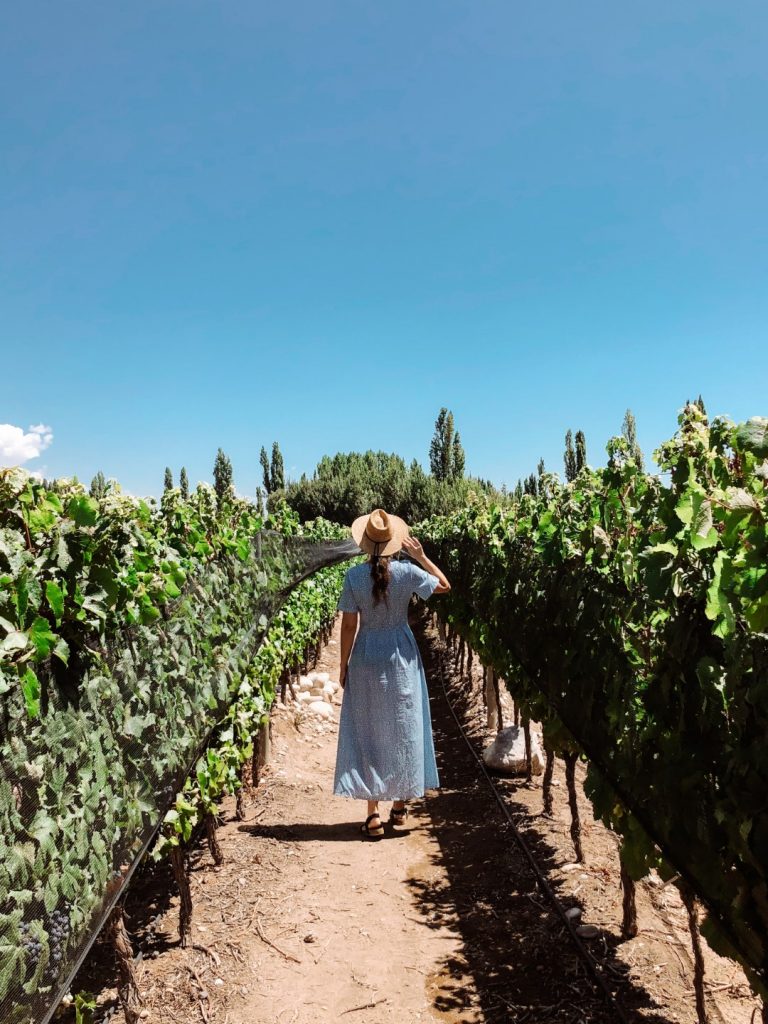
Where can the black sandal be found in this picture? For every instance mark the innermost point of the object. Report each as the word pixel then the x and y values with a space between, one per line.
pixel 398 817
pixel 372 833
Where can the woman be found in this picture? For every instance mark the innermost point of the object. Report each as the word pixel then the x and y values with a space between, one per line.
pixel 385 750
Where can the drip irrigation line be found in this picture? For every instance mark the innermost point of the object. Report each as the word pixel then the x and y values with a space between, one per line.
pixel 592 964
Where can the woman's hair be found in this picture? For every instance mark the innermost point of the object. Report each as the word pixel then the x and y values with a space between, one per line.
pixel 380 576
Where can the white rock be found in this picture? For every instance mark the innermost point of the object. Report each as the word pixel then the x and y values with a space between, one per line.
pixel 305 697
pixel 507 752
pixel 322 677
pixel 319 707
pixel 305 683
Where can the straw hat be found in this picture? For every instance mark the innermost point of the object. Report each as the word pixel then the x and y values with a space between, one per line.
pixel 379 533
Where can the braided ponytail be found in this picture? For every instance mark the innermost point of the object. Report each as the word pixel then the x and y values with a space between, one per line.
pixel 380 576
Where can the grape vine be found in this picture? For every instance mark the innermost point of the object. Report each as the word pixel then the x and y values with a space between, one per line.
pixel 631 616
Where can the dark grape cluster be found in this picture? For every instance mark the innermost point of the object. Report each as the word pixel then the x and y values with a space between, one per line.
pixel 58 937
pixel 32 947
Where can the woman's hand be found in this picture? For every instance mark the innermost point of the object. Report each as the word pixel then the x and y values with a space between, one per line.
pixel 413 548
pixel 343 679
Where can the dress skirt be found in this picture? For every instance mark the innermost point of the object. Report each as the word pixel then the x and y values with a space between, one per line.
pixel 385 748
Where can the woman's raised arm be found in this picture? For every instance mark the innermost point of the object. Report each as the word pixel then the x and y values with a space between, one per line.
pixel 413 547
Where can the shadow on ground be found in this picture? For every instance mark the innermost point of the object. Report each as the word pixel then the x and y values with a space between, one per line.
pixel 515 949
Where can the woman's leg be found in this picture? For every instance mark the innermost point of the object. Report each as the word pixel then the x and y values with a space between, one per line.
pixel 373 808
pixel 399 815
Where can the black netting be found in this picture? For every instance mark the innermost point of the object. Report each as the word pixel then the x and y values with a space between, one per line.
pixel 84 788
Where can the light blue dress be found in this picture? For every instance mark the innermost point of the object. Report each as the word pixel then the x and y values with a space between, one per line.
pixel 386 750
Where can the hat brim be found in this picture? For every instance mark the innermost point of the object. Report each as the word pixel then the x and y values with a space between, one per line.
pixel 400 530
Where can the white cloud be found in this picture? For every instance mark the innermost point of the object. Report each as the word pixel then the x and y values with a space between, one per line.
pixel 17 447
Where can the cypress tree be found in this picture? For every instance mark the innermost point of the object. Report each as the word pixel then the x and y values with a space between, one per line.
pixel 222 476
pixel 569 458
pixel 98 486
pixel 518 490
pixel 168 482
pixel 581 451
pixel 441 447
pixel 629 430
pixel 264 460
pixel 458 458
pixel 184 483
pixel 276 469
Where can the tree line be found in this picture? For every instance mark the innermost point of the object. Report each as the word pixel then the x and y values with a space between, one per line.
pixel 349 484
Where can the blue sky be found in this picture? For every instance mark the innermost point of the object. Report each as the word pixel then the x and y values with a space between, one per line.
pixel 319 222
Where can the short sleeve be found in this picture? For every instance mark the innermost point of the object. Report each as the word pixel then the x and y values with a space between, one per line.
pixel 423 582
pixel 347 602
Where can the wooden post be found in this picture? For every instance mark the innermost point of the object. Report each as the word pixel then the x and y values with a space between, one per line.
pixel 570 779
pixel 213 840
pixel 629 904
pixel 128 985
pixel 497 698
pixel 265 743
pixel 179 865
pixel 244 782
pixel 547 786
pixel 491 703
pixel 689 899
pixel 527 737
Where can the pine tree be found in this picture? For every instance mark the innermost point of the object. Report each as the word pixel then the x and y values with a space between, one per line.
pixel 569 458
pixel 629 430
pixel 276 469
pixel 458 458
pixel 264 460
pixel 531 485
pixel 98 486
pixel 441 448
pixel 222 476
pixel 700 403
pixel 184 483
pixel 581 451
pixel 519 490
pixel 168 481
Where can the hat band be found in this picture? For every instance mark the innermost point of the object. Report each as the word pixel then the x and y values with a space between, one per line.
pixel 374 541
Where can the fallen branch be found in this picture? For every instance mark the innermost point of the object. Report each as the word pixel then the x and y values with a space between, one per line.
pixel 211 953
pixel 269 942
pixel 365 1006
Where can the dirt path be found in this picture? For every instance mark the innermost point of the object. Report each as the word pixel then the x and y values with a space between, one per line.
pixel 307 923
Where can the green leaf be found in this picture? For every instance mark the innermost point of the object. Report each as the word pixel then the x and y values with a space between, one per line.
pixel 55 596
pixel 752 436
pixel 83 510
pixel 30 687
pixel 658 562
pixel 61 650
pixel 11 963
pixel 41 636
pixel 14 641
pixel 135 725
